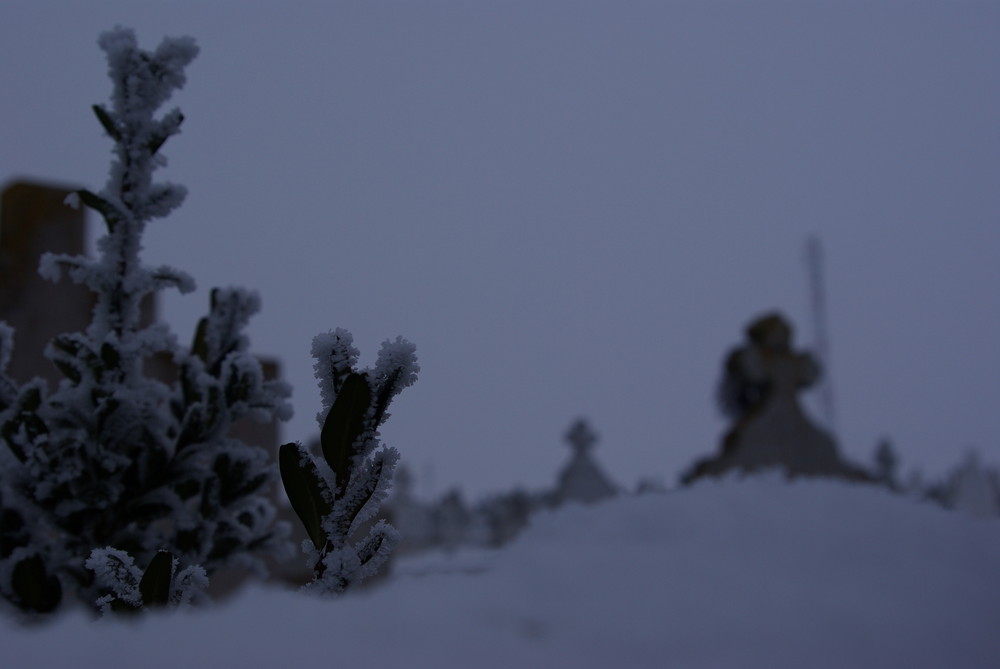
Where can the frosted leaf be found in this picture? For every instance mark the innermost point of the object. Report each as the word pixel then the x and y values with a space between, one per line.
pixel 335 356
pixel 162 199
pixel 154 339
pixel 377 475
pixel 350 565
pixel 115 570
pixel 365 485
pixel 395 369
pixel 127 451
pixel 174 53
pixel 231 309
pixel 144 83
pixel 338 567
pixel 375 550
pixel 51 266
pixel 187 584
pixel 397 359
pixel 164 276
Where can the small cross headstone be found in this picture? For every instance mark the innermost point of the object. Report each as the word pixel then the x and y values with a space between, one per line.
pixel 582 479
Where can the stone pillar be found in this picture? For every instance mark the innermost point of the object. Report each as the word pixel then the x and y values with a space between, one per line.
pixel 34 220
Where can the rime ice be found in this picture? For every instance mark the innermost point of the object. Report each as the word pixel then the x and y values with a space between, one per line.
pixel 119 456
pixel 336 495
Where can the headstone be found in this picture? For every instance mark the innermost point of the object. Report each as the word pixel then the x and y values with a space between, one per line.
pixel 582 480
pixel 759 392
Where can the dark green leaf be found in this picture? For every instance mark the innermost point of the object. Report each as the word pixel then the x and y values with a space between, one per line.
pixel 366 492
pixel 199 346
pixel 107 122
pixel 69 371
pixel 343 425
pixel 304 489
pixel 370 548
pixel 67 343
pixel 193 428
pixel 384 395
pixel 31 399
pixel 155 583
pixel 156 142
pixel 101 206
pixel 110 356
pixel 167 129
pixel 36 589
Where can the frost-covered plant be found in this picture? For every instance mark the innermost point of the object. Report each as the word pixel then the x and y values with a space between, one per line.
pixel 337 494
pixel 130 590
pixel 115 456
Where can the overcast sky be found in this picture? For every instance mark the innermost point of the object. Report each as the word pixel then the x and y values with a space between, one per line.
pixel 573 208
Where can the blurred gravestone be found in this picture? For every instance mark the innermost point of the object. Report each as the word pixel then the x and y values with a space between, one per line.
pixel 759 393
pixel 582 480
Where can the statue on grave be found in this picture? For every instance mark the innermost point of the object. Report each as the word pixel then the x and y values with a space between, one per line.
pixel 759 388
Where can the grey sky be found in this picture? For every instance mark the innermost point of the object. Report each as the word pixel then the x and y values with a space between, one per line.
pixel 572 208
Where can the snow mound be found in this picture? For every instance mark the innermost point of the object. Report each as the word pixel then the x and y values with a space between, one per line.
pixel 751 573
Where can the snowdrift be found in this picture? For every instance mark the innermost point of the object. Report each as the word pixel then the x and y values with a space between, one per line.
pixel 738 573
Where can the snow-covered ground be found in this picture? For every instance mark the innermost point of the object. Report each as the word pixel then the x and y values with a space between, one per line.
pixel 752 573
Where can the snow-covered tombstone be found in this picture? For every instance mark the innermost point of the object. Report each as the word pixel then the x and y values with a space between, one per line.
pixel 582 479
pixel 769 428
pixel 337 494
pixel 115 457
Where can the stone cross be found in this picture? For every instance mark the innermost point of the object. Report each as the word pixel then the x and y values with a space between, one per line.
pixel 580 437
pixel 761 383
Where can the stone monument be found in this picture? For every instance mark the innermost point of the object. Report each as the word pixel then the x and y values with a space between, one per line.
pixel 582 480
pixel 759 392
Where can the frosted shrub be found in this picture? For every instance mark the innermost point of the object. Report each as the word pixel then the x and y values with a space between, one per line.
pixel 132 590
pixel 337 494
pixel 114 457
